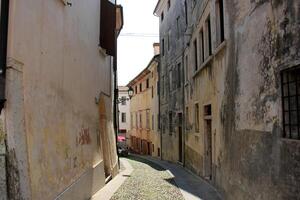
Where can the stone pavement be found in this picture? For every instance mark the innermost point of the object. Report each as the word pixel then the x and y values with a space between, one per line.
pixel 191 186
pixel 111 187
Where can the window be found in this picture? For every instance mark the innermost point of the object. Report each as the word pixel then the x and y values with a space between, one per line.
pixel 136 120
pixel 147 83
pixel 163 47
pixel 170 123
pixel 123 117
pixel 290 83
pixel 141 87
pixel 169 36
pixel 162 17
pixel 178 27
pixel 148 119
pixel 152 122
pixel 202 57
pixel 158 122
pixel 141 120
pixel 163 86
pixel 170 81
pixel 157 88
pixel 178 75
pixel 131 120
pixel 187 117
pixel 169 4
pixel 208 37
pixel 195 55
pixel 123 101
pixel 186 12
pixel 136 91
pixel 197 118
pixel 186 68
pixel 207 110
pixel 220 21
pixel 152 92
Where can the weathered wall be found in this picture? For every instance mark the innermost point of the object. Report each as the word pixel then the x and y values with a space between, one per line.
pixel 257 162
pixel 62 71
pixel 155 129
pixel 171 98
pixel 241 81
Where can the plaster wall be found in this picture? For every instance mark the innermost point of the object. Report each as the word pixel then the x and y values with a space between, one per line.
pixel 57 71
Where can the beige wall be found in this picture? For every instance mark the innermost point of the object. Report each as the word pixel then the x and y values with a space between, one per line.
pixel 54 57
pixel 155 130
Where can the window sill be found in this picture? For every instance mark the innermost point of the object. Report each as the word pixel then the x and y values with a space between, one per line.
pixel 102 51
pixel 203 65
pixel 288 140
pixel 220 48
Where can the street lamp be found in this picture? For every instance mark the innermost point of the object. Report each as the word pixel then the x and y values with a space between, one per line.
pixel 130 92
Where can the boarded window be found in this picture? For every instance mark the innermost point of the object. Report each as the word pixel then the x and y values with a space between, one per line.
pixel 108 27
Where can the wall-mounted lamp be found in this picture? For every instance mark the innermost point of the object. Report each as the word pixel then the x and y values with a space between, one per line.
pixel 130 94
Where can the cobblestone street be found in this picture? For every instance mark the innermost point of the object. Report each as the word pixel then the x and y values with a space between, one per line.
pixel 148 181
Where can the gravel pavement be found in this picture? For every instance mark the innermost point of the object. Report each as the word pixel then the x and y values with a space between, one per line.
pixel 148 181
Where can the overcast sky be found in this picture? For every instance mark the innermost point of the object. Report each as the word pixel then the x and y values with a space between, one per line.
pixel 135 43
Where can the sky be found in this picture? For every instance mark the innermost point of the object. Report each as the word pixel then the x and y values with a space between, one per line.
pixel 135 43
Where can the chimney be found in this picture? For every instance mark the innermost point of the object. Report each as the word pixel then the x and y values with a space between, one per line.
pixel 156 48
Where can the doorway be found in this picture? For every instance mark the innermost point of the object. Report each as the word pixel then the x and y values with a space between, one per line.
pixel 208 142
pixel 180 149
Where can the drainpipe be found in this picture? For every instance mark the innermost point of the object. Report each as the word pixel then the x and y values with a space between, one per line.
pixel 159 84
pixel 3 63
pixel 3 49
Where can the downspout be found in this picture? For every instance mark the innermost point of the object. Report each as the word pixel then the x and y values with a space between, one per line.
pixel 3 49
pixel 3 63
pixel 159 82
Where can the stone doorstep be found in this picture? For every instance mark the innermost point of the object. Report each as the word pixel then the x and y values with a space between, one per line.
pixel 111 187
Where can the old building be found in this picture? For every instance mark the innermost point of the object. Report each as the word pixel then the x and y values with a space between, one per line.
pixel 241 71
pixel 154 102
pixel 124 114
pixel 58 114
pixel 144 137
pixel 171 99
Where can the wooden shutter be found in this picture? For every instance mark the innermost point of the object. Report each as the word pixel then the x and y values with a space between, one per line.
pixel 107 27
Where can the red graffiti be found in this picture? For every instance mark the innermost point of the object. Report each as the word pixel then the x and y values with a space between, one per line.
pixel 84 137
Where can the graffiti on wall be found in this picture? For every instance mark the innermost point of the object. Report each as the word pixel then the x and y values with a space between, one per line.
pixel 83 138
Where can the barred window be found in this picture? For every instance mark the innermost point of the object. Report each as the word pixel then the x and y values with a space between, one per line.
pixel 290 80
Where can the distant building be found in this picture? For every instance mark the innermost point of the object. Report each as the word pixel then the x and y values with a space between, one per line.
pixel 144 137
pixel 124 114
pixel 57 71
pixel 171 99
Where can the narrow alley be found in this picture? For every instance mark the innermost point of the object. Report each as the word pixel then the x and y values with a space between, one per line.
pixel 149 99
